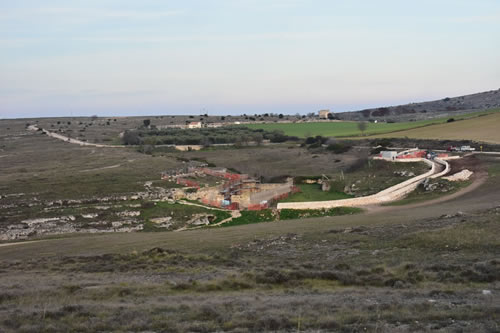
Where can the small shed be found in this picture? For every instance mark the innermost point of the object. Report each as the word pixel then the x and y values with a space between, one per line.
pixel 389 154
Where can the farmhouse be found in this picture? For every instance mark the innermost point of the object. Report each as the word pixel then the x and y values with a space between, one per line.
pixel 323 114
pixel 194 124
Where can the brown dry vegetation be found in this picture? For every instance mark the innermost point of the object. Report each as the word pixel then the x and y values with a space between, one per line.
pixel 427 268
pixel 417 277
pixel 279 161
pixel 482 129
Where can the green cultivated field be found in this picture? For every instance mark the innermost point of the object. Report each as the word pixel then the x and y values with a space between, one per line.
pixel 350 128
pixel 483 129
pixel 313 192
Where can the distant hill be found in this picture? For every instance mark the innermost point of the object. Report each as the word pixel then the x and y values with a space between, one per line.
pixel 418 111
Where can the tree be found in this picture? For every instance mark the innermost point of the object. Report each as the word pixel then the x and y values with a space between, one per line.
pixel 362 127
pixel 146 122
pixel 258 138
pixel 131 138
pixel 280 116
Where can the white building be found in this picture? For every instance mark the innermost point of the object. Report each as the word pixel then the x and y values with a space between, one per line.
pixel 323 114
pixel 194 124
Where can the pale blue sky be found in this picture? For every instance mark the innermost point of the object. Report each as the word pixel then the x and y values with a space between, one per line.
pixel 123 57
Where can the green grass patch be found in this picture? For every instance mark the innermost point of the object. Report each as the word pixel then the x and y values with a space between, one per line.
pixel 350 128
pixel 249 217
pixel 220 215
pixel 290 214
pixel 313 192
pixel 494 170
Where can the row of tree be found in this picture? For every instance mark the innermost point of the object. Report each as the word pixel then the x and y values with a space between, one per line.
pixel 204 136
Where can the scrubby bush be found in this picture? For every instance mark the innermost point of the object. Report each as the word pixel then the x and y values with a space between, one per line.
pixel 203 136
pixel 131 138
pixel 339 148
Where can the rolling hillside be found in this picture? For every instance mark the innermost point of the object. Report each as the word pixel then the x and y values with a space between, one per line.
pixel 446 107
pixel 350 128
pixel 484 128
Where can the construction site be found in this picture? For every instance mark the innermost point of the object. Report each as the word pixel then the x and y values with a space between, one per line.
pixel 217 187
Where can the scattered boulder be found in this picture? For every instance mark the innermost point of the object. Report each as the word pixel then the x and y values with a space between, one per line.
pixel 201 219
pixel 404 173
pixel 163 222
pixel 459 176
pixel 129 213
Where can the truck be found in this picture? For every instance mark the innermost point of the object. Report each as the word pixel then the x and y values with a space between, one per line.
pixel 467 148
pixel 462 148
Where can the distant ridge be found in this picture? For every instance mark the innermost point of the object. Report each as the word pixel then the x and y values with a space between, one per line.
pixel 425 110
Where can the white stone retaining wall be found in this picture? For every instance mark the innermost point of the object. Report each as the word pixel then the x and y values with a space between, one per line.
pixel 390 194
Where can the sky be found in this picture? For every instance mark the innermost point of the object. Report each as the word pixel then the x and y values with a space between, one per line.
pixel 150 57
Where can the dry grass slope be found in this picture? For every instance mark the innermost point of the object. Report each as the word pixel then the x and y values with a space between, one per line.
pixel 484 128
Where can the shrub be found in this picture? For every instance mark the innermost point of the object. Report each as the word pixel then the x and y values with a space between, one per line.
pixel 131 138
pixel 310 140
pixel 339 148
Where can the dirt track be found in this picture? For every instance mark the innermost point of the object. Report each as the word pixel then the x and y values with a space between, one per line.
pixel 71 140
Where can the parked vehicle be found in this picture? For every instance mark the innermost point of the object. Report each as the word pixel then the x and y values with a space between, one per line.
pixel 467 148
pixel 462 148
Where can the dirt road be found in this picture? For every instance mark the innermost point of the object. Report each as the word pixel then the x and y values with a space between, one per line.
pixel 71 140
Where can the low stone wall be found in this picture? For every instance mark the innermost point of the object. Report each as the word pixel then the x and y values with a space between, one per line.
pixel 188 147
pixel 272 191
